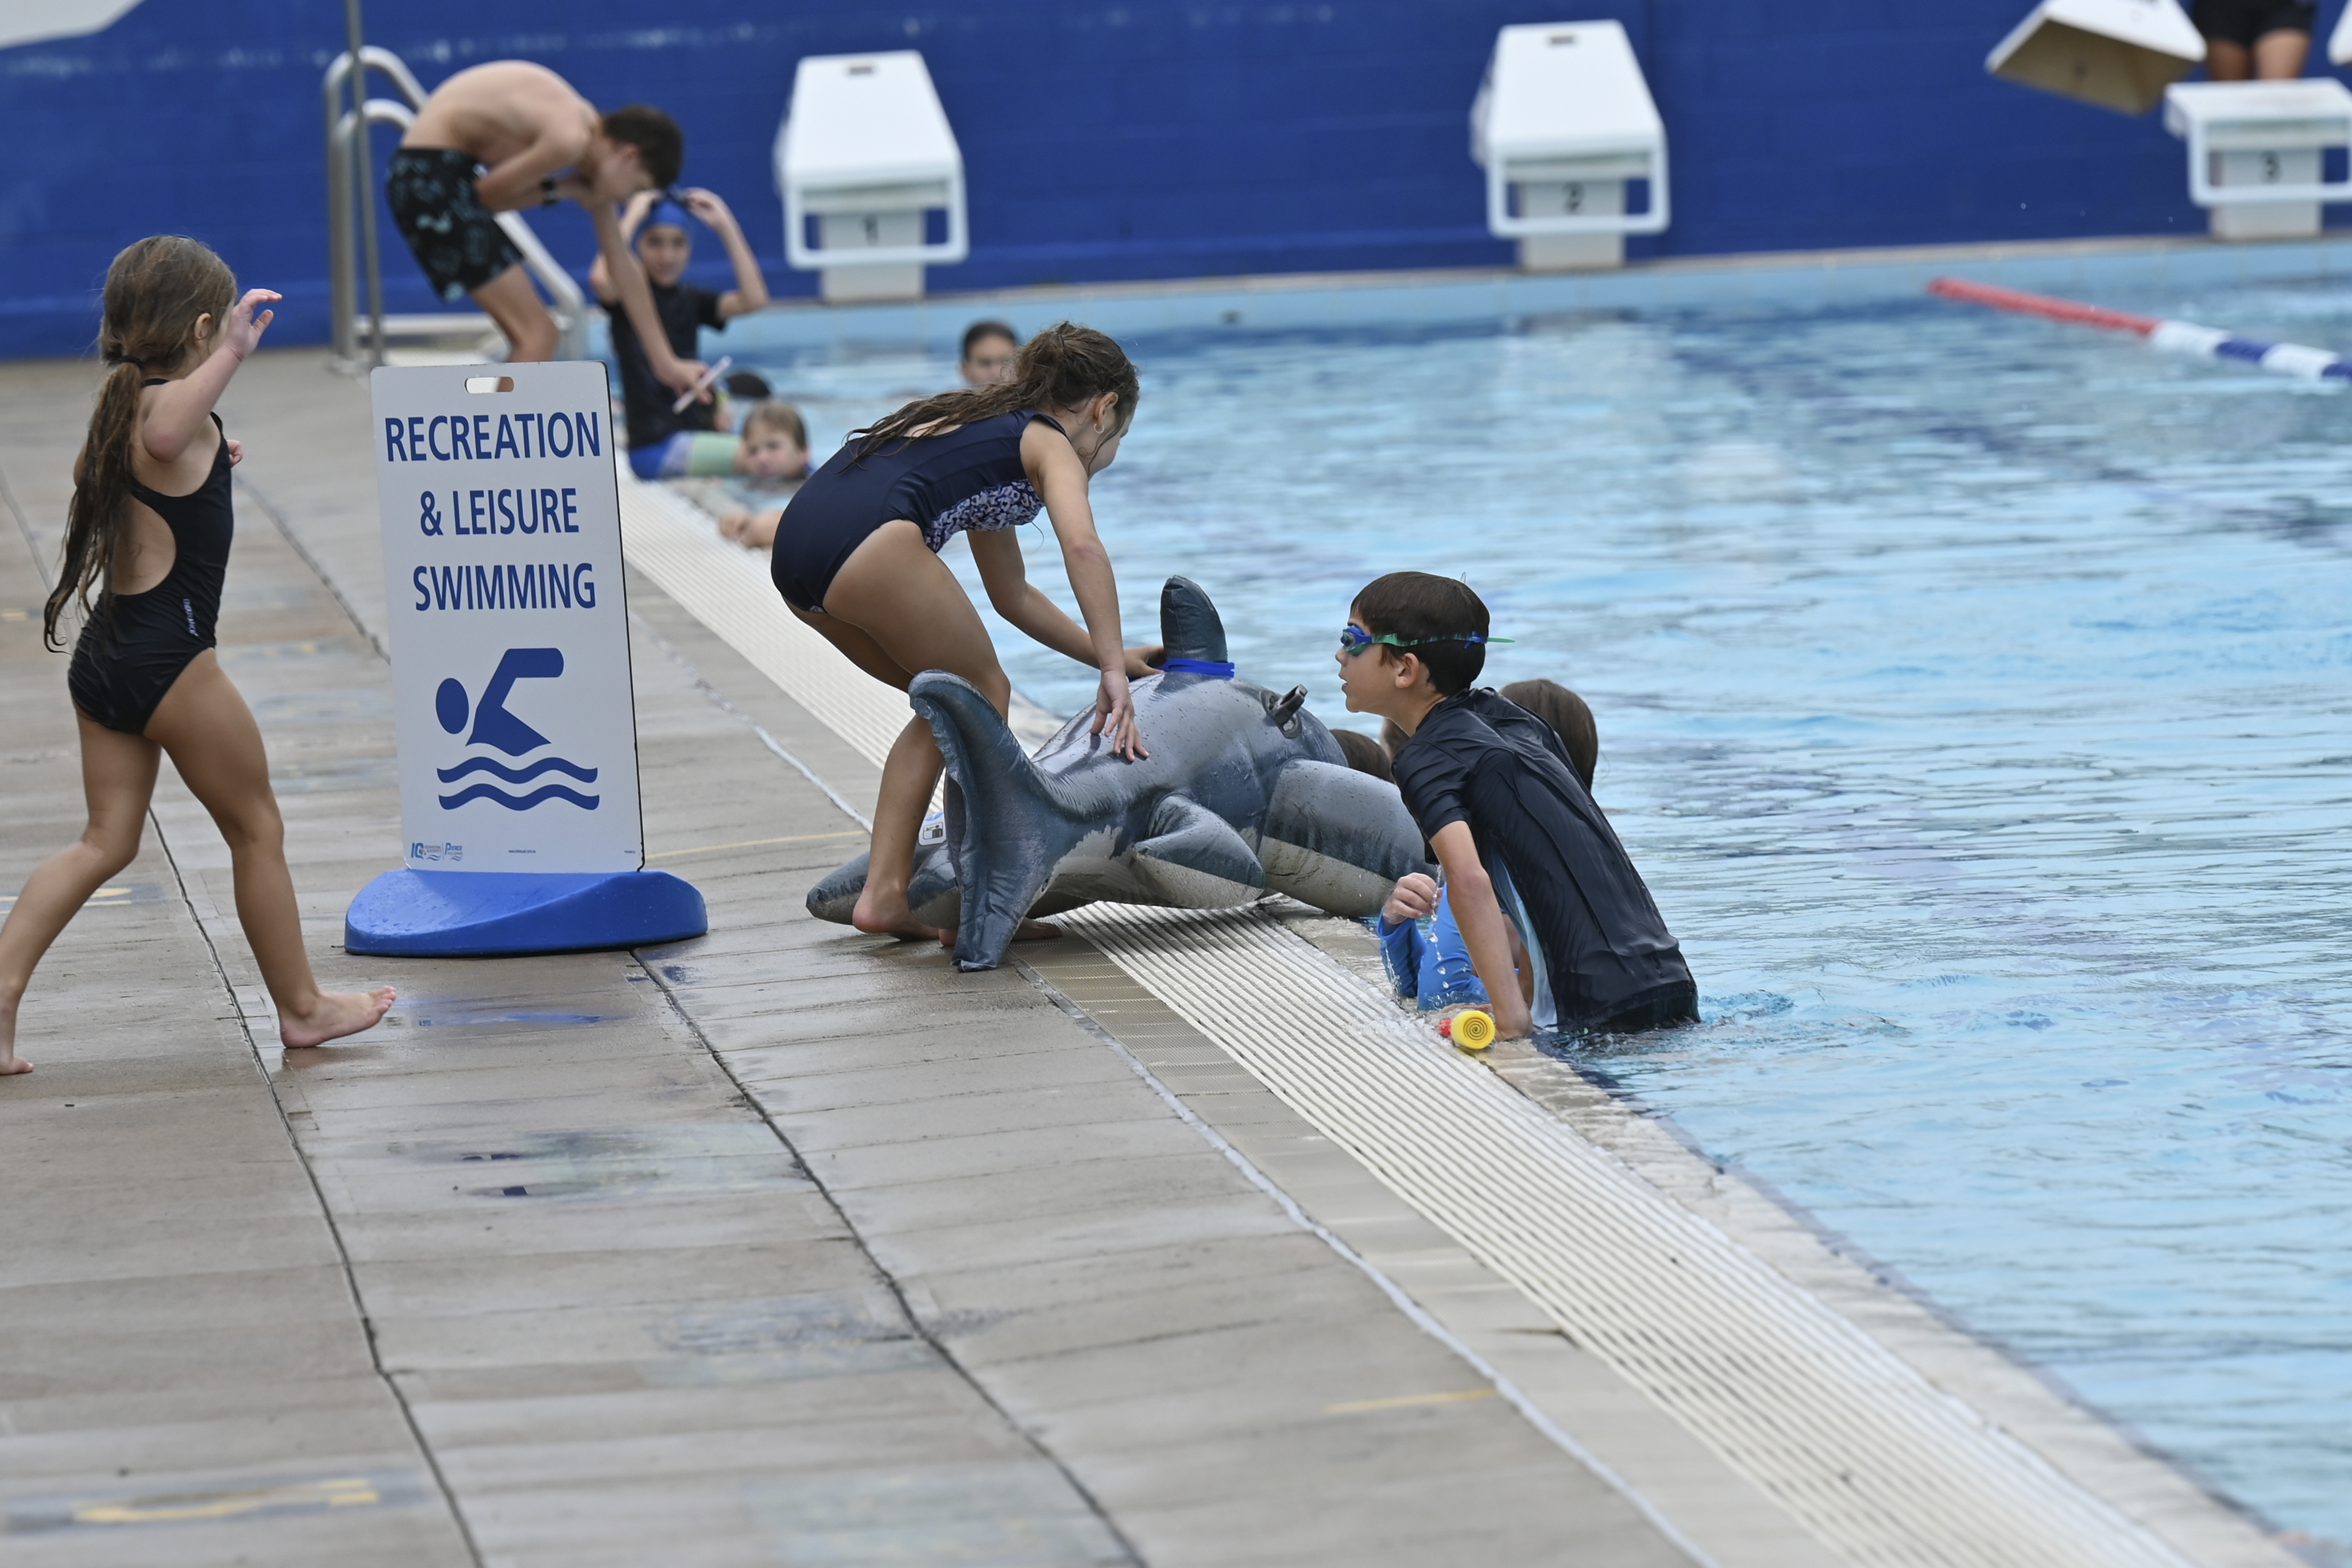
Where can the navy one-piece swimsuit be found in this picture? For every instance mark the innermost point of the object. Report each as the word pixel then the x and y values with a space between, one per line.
pixel 136 644
pixel 969 479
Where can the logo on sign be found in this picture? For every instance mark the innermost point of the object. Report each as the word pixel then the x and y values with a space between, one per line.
pixel 499 730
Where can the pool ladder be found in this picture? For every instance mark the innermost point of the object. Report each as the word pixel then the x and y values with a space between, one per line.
pixel 363 340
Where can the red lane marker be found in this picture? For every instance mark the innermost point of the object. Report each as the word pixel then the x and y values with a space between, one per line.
pixel 2041 305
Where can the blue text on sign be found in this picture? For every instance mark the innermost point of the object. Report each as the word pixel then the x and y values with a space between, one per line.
pixel 500 511
pixel 472 438
pixel 555 586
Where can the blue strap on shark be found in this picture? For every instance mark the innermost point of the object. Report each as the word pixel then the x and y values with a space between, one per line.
pixel 1213 668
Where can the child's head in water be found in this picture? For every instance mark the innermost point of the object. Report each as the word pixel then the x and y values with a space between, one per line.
pixel 1364 754
pixel 1080 377
pixel 662 244
pixel 988 349
pixel 775 441
pixel 1568 718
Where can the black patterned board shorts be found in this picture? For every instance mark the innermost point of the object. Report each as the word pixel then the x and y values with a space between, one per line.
pixel 458 244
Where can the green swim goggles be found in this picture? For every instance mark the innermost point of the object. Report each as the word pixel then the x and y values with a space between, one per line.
pixel 1354 640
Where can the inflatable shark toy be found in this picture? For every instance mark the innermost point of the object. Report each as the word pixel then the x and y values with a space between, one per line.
pixel 1244 793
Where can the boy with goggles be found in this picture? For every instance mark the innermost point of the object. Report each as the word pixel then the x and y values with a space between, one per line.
pixel 1525 852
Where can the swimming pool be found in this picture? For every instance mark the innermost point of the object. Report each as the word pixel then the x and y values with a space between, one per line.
pixel 1973 693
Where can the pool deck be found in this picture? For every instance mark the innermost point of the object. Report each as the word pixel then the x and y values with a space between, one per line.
pixel 789 1245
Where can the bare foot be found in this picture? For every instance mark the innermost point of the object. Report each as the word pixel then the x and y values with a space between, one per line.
pixel 337 1013
pixel 877 919
pixel 10 1062
pixel 1031 931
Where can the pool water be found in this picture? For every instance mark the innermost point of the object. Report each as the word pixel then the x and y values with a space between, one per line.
pixel 1975 694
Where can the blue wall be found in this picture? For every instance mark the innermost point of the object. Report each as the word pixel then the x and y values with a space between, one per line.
pixel 1104 138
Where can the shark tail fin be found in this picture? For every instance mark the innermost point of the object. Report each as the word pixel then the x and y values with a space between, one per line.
pixel 1014 826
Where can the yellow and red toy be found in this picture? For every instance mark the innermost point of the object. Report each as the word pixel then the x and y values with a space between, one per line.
pixel 1471 1030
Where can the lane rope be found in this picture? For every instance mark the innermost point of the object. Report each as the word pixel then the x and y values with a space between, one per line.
pixel 2296 359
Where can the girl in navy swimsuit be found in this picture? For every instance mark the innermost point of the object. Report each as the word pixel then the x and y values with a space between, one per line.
pixel 857 557
pixel 148 528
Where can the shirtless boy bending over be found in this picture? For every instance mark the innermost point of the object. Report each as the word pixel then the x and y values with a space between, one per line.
pixel 511 134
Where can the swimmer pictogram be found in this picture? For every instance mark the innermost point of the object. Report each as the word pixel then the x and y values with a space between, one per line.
pixel 496 728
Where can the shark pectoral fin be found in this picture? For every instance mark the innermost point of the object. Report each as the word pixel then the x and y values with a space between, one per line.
pixel 1193 860
pixel 931 892
pixel 1337 839
pixel 1011 827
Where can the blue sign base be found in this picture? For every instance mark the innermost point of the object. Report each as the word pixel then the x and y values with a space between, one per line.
pixel 482 913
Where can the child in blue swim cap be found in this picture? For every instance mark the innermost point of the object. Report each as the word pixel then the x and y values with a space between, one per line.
pixel 666 442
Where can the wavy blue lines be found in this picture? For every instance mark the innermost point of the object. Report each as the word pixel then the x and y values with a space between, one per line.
pixel 491 792
pixel 516 775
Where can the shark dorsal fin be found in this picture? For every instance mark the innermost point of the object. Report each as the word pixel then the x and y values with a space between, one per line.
pixel 1188 626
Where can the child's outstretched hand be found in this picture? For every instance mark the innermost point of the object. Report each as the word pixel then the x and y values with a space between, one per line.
pixel 1142 662
pixel 1413 898
pixel 247 321
pixel 1115 712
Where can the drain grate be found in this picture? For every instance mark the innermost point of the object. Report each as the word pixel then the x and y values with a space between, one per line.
pixel 1845 1435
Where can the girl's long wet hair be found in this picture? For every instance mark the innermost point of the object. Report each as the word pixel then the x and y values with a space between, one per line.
pixel 154 292
pixel 1062 367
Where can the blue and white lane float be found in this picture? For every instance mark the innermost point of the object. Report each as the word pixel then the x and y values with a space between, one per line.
pixel 2174 337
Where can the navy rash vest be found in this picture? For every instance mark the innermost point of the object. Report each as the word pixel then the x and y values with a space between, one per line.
pixel 1603 955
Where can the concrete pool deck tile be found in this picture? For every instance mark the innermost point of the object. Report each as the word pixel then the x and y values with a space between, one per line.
pixel 423 1091
pixel 657 1223
pixel 857 1166
pixel 619 1453
pixel 1100 1314
pixel 910 1044
pixel 390 1533
pixel 678 1280
pixel 1066 1188
pixel 817 1072
pixel 60 1360
pixel 869 987
pixel 1049 1236
pixel 924 1404
pixel 987 1095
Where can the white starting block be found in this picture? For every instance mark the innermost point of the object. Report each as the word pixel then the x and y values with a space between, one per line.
pixel 1561 124
pixel 2117 54
pixel 866 150
pixel 38 21
pixel 2255 152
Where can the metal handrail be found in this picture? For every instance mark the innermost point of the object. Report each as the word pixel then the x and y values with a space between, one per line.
pixel 349 172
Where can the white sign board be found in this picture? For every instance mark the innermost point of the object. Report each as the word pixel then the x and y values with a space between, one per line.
pixel 509 633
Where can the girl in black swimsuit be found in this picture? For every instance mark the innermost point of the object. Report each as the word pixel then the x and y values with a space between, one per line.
pixel 857 557
pixel 148 528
